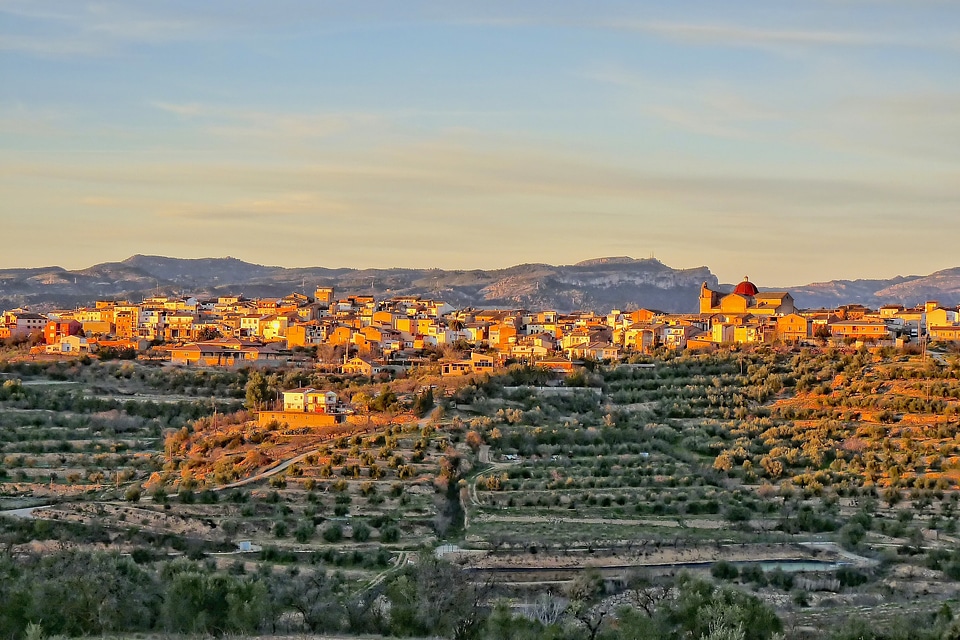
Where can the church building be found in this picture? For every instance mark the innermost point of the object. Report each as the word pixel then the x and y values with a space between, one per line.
pixel 745 299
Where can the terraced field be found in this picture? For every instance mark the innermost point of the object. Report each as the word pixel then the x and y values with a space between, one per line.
pixel 71 429
pixel 823 482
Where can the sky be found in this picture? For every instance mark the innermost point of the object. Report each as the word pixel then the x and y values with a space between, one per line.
pixel 793 141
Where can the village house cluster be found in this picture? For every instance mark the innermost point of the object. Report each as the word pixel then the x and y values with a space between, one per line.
pixel 362 335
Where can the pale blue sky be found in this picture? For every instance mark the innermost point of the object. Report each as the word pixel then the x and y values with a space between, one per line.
pixel 792 141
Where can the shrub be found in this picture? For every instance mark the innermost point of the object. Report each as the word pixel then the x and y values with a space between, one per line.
pixel 361 532
pixel 390 534
pixel 724 570
pixel 305 531
pixel 780 579
pixel 754 575
pixel 333 533
pixel 850 577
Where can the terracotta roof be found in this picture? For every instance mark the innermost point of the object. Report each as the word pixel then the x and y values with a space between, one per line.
pixel 746 288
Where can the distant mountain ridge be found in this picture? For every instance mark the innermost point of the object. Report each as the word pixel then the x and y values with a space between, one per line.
pixel 600 284
pixel 942 286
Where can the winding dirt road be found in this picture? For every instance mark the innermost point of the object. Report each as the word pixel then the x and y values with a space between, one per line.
pixel 283 465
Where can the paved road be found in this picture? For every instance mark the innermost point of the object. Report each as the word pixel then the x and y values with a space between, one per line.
pixel 26 512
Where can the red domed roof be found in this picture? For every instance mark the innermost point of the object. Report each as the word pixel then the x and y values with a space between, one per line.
pixel 746 288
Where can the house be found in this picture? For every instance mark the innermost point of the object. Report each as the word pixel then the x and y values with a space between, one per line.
pixel 865 329
pixel 890 310
pixel 556 364
pixel 950 333
pixel 701 341
pixel 126 319
pixel 20 323
pixel 641 337
pixel 361 366
pixel 753 332
pixel 675 336
pixel 306 334
pixel 594 351
pixel 477 363
pixel 529 351
pixel 69 346
pixel 482 362
pixel 180 326
pixel 251 325
pixel 56 330
pixel 722 332
pixel 501 336
pixel 940 317
pixel 644 316
pixel 310 400
pixel 819 322
pixel 456 368
pixel 230 352
pixel 792 328
pixel 275 327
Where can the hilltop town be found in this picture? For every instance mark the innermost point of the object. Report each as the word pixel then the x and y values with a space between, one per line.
pixel 803 462
pixel 360 334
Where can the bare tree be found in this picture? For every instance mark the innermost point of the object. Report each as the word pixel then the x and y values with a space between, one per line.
pixel 548 610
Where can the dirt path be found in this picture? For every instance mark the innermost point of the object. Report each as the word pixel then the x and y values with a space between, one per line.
pixel 833 547
pixel 690 523
pixel 400 562
pixel 425 420
pixel 283 465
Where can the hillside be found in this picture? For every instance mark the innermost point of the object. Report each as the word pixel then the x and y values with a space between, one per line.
pixel 595 284
pixel 943 286
pixel 600 284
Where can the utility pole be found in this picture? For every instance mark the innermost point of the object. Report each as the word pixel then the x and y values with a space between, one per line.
pixel 923 338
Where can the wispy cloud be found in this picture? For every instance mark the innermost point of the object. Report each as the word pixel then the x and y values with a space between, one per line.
pixel 185 110
pixel 70 27
pixel 44 46
pixel 506 194
pixel 287 205
pixel 747 36
pixel 61 29
pixel 472 173
pixel 710 109
pixel 232 122
pixel 17 119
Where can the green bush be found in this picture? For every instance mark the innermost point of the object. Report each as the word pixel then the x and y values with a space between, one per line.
pixel 333 533
pixel 361 532
pixel 305 531
pixel 390 534
pixel 724 570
